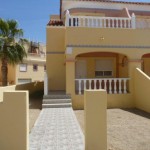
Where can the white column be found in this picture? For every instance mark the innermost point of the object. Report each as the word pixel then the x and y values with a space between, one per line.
pixel 45 84
pixel 67 18
pixel 112 23
pixel 125 23
pixel 125 86
pixel 80 86
pixel 90 82
pixel 84 84
pixel 117 23
pixel 95 84
pixel 115 86
pixel 133 21
pixel 100 87
pixel 120 86
pixel 121 23
pixel 110 88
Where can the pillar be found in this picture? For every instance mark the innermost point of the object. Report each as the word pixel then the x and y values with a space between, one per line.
pixel 95 108
pixel 132 65
pixel 70 76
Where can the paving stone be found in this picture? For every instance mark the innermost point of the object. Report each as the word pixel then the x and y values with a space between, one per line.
pixel 56 129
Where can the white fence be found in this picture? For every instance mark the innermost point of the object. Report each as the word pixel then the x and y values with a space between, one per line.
pixel 99 22
pixel 111 85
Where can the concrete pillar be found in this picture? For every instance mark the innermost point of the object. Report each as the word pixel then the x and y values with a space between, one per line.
pixel 95 106
pixel 132 65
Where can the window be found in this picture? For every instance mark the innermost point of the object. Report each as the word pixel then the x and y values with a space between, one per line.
pixel 23 67
pixel 35 67
pixel 103 73
pixel 104 68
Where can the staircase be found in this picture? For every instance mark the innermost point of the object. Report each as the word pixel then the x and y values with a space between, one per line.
pixel 56 100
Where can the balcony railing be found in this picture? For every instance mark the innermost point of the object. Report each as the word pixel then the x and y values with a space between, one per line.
pixel 35 55
pixel 111 85
pixel 100 22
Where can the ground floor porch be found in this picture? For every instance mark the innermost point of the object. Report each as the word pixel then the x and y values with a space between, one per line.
pixel 93 68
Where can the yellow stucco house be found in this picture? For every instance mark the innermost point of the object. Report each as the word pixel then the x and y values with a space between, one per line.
pixel 97 44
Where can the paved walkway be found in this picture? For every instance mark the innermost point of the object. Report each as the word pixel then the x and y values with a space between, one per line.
pixel 56 129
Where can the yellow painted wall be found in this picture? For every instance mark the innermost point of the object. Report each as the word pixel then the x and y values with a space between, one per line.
pixel 14 121
pixel 56 71
pixel 123 66
pixel 58 38
pixel 142 90
pixel 146 65
pixel 30 74
pixel 95 119
pixel 92 36
pixel 56 58
pixel 113 101
pixel 31 87
pixel 55 39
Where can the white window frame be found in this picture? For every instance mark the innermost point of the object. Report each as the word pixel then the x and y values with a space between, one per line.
pixel 23 67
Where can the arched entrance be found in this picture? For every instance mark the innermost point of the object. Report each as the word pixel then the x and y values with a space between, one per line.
pixel 101 70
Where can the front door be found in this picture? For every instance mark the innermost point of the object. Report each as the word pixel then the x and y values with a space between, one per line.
pixel 81 69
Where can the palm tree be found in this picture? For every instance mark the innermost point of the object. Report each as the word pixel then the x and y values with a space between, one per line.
pixel 11 50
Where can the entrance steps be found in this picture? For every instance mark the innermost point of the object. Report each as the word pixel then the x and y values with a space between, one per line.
pixel 55 100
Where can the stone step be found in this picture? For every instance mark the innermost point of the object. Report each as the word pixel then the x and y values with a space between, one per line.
pixel 62 96
pixel 64 105
pixel 56 101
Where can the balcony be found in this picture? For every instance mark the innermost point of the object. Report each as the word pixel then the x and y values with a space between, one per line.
pixel 107 22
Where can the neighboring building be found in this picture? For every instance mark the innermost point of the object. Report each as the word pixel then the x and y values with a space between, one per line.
pixel 98 44
pixel 32 68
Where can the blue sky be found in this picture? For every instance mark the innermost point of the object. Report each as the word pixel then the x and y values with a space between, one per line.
pixel 32 15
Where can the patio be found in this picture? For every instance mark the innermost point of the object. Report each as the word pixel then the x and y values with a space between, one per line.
pixel 128 129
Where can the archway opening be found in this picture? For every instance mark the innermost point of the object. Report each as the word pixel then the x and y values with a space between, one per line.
pixel 101 70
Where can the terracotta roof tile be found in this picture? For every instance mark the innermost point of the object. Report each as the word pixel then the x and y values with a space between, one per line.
pixel 55 23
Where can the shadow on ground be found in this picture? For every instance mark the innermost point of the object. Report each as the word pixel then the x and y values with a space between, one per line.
pixel 35 100
pixel 138 112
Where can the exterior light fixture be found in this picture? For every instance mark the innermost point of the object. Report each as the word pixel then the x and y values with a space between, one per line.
pixel 101 38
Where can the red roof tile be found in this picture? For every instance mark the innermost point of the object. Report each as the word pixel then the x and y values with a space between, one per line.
pixel 55 23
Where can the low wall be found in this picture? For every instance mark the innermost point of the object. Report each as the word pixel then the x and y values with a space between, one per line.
pixel 31 87
pixel 113 101
pixel 142 90
pixel 4 89
pixel 14 122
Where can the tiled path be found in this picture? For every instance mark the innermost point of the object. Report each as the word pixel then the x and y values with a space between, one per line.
pixel 56 129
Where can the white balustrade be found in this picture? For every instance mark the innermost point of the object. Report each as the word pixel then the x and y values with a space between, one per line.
pixel 111 85
pixel 100 22
pixel 106 22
